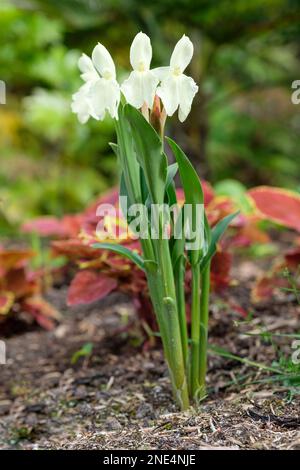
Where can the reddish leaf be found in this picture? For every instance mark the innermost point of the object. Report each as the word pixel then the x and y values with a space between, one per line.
pixel 207 191
pixel 248 234
pixel 292 259
pixel 6 302
pixel 74 249
pixel 220 270
pixel 48 226
pixel 45 226
pixel 265 286
pixel 278 205
pixel 14 258
pixel 110 197
pixel 218 208
pixel 20 283
pixel 43 312
pixel 88 286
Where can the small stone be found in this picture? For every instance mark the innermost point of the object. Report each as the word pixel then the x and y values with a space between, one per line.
pixel 112 424
pixel 80 392
pixel 35 408
pixel 85 409
pixel 5 406
pixel 145 410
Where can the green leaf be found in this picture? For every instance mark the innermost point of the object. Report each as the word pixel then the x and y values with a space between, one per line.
pixel 124 193
pixel 123 251
pixel 216 234
pixel 127 158
pixel 171 197
pixel 192 190
pixel 178 243
pixel 237 192
pixel 148 147
pixel 144 189
pixel 171 173
pixel 150 266
pixel 115 148
pixel 85 351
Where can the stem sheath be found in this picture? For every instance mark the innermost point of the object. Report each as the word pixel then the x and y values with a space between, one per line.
pixel 195 330
pixel 205 288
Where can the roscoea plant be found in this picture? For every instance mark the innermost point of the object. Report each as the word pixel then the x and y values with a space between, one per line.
pixel 169 238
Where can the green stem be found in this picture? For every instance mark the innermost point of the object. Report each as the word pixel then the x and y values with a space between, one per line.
pixel 180 293
pixel 173 335
pixel 205 288
pixel 195 331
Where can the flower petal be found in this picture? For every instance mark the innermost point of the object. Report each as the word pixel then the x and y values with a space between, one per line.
pixel 161 72
pixel 103 62
pixel 169 94
pixel 140 88
pixel 104 96
pixel 81 104
pixel 141 52
pixel 182 54
pixel 87 68
pixel 187 91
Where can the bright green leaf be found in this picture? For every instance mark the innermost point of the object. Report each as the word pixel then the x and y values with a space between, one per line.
pixel 149 153
pixel 123 251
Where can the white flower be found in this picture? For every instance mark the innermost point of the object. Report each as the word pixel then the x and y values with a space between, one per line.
pixel 176 89
pixel 86 66
pixel 81 103
pixel 141 85
pixel 105 91
pixel 101 92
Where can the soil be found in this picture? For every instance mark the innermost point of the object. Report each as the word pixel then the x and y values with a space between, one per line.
pixel 118 397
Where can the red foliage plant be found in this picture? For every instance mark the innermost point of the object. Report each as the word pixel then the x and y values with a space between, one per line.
pixel 102 271
pixel 281 206
pixel 21 289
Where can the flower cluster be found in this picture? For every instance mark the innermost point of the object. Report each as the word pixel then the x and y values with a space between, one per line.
pixel 101 92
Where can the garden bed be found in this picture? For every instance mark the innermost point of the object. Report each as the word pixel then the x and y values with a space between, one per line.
pixel 119 397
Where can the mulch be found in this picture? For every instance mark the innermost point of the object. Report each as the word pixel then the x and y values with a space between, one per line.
pixel 119 397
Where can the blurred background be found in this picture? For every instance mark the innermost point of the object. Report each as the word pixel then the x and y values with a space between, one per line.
pixel 243 125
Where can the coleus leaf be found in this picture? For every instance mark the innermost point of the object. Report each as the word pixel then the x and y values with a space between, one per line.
pixel 278 205
pixel 46 226
pixel 74 249
pixel 216 234
pixel 220 270
pixel 149 153
pixel 265 287
pixel 14 258
pixel 6 302
pixel 192 190
pixel 123 251
pixel 89 286
pixel 20 283
pixel 43 312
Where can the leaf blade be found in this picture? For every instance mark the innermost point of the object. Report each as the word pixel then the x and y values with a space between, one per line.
pixel 149 153
pixel 123 251
pixel 216 234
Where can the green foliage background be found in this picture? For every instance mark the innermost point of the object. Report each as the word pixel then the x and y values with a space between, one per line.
pixel 243 125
